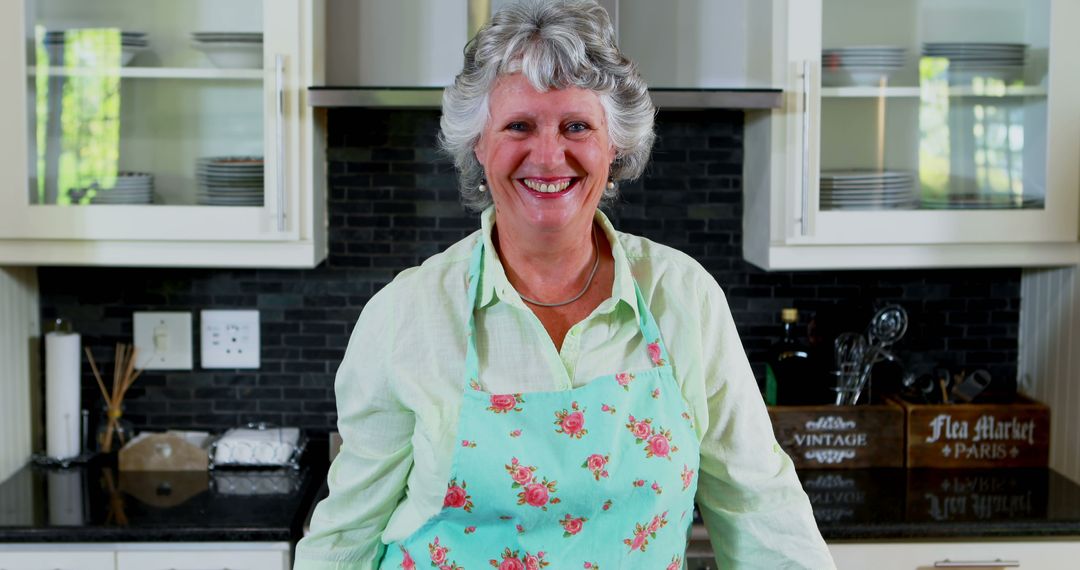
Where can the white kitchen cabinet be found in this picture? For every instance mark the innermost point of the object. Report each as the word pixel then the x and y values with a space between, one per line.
pixel 989 149
pixel 1046 555
pixel 105 159
pixel 59 559
pixel 146 556
pixel 203 560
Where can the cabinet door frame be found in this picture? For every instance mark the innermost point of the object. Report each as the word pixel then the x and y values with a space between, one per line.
pixel 798 185
pixel 287 25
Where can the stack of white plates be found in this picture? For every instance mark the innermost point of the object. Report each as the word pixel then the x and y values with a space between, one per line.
pixel 130 188
pixel 866 190
pixel 131 43
pixel 234 50
pixel 980 202
pixel 230 181
pixel 982 59
pixel 860 65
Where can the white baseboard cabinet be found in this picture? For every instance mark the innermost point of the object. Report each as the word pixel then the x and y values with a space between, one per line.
pixel 146 556
pixel 1033 555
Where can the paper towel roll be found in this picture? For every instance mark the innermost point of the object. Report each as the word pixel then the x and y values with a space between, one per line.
pixel 66 498
pixel 62 398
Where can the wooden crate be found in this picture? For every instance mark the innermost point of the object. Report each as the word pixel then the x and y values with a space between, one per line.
pixel 841 437
pixel 1003 434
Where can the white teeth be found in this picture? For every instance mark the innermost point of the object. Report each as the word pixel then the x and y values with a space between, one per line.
pixel 546 188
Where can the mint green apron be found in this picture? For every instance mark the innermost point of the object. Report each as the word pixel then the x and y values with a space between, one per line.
pixel 599 477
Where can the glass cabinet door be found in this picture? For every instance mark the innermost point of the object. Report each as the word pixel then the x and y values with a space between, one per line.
pixel 934 104
pixel 155 119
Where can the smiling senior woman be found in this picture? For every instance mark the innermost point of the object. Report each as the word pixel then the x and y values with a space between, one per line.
pixel 550 391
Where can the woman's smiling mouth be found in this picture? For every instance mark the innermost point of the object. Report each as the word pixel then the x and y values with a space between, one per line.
pixel 548 187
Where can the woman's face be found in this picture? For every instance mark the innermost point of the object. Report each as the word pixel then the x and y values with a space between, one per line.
pixel 545 155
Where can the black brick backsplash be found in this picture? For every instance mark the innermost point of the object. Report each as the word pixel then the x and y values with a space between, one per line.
pixel 393 202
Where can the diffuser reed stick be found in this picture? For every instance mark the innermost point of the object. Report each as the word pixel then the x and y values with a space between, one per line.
pixel 124 375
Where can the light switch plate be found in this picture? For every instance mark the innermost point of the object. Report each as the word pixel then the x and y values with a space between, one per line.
pixel 230 339
pixel 163 340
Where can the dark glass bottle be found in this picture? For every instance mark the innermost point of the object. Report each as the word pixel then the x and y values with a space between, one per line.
pixel 789 374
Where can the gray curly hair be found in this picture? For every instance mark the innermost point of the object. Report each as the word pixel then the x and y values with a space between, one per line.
pixel 555 44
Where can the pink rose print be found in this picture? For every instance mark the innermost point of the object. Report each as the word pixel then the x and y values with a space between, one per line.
pixel 656 394
pixel 687 477
pixel 536 494
pixel 592 566
pixel 512 560
pixel 607 505
pixel 533 493
pixel 474 385
pixel 643 533
pixel 639 483
pixel 468 443
pixel 657 440
pixel 515 433
pixel 406 560
pixel 505 403
pixel 656 487
pixel 659 446
pixel 572 525
pixel 676 563
pixel 654 353
pixel 519 528
pixel 608 409
pixel 439 556
pixel 522 475
pixel 470 529
pixel 571 422
pixel 596 464
pixel 624 379
pixel 641 429
pixel 457 497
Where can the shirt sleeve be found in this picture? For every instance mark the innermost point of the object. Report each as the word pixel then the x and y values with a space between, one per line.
pixel 754 507
pixel 367 478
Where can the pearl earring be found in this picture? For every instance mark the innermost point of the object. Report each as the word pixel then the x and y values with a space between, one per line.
pixel 610 185
pixel 482 187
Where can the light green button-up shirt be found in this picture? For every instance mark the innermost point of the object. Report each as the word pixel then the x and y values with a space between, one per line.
pixel 399 391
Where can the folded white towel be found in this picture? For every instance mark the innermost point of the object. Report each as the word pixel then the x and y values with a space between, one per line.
pixel 274 446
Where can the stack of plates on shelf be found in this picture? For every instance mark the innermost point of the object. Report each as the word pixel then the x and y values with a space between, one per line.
pixel 860 65
pixel 979 59
pixel 131 43
pixel 976 201
pixel 130 188
pixel 866 189
pixel 233 50
pixel 230 181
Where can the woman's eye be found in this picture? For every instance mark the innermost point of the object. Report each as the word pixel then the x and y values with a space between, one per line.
pixel 577 127
pixel 517 126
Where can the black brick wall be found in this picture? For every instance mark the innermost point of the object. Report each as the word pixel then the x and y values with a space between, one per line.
pixel 393 202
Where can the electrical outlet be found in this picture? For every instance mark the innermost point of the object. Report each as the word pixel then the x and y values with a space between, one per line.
pixel 163 340
pixel 230 339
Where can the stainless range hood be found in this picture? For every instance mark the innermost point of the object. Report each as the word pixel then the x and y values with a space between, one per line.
pixel 431 98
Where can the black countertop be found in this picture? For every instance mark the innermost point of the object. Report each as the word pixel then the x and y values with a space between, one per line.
pixel 96 503
pixel 931 504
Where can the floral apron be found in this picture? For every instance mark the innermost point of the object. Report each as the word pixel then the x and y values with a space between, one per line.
pixel 598 477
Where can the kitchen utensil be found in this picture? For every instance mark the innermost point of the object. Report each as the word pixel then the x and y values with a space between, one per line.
pixel 888 325
pixel 850 352
pixel 971 387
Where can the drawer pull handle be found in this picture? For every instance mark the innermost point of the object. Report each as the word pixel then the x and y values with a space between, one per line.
pixel 996 563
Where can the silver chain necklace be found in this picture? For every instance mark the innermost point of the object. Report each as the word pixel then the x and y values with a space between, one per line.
pixel 596 264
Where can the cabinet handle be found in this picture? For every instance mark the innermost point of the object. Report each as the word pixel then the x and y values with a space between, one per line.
pixel 804 223
pixel 997 563
pixel 280 65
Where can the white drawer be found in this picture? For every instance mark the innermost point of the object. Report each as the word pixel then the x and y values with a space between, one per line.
pixel 203 560
pixel 57 560
pixel 1049 555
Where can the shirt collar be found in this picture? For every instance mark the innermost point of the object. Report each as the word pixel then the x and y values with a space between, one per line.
pixel 495 286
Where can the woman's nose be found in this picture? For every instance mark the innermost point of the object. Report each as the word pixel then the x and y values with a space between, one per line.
pixel 549 148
